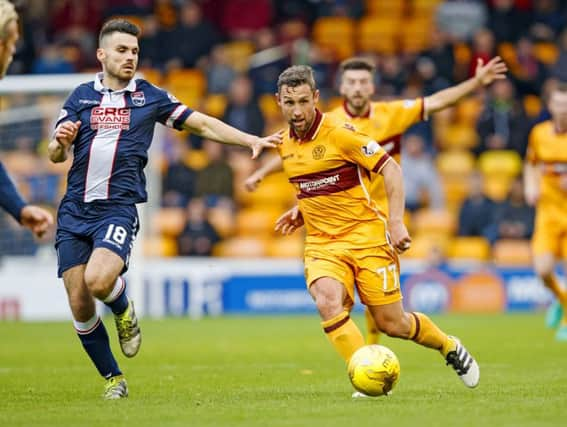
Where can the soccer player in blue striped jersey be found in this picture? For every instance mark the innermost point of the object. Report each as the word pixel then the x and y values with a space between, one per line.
pixel 109 123
pixel 33 217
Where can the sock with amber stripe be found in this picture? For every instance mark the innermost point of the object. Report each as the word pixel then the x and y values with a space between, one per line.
pixel 372 331
pixel 426 333
pixel 553 284
pixel 343 334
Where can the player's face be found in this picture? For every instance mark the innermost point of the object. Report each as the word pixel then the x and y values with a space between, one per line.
pixel 298 106
pixel 558 109
pixel 8 47
pixel 118 55
pixel 357 87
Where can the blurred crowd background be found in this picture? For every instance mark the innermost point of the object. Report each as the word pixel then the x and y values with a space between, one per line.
pixel 462 168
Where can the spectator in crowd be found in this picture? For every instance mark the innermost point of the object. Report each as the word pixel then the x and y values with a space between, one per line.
pixel 52 61
pixel 477 211
pixel 548 21
pixel 242 110
pixel 421 181
pixel 392 75
pixel 483 47
pixel 178 184
pixel 514 219
pixel 560 67
pixel 220 72
pixel 528 72
pixel 503 124
pixel 150 43
pixel 441 54
pixel 216 180
pixel 506 21
pixel 198 236
pixel 461 18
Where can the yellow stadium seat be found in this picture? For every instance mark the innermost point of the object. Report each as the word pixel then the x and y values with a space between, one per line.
pixel 468 111
pixel 462 53
pixel 434 221
pixel 287 247
pixel 152 75
pixel 186 79
pixel 169 221
pixel 378 35
pixel 196 159
pixel 456 190
pixel 238 53
pixel 424 8
pixel 416 34
pixel 336 34
pixel 214 105
pixel 546 53
pixel 497 187
pixel 222 219
pixel 241 247
pixel 423 245
pixel 256 222
pixel 457 135
pixel 389 9
pixel 503 163
pixel 509 252
pixel 269 107
pixel 532 105
pixel 455 162
pixel 160 246
pixel 507 52
pixel 473 248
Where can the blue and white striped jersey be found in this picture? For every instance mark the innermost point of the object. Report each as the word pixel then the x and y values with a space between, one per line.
pixel 117 127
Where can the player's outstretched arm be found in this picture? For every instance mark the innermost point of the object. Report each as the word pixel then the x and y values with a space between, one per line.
pixel 64 136
pixel 273 165
pixel 211 128
pixel 393 181
pixel 485 74
pixel 531 183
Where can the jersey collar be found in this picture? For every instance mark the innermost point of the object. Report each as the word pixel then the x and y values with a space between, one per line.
pixel 131 87
pixel 312 132
pixel 366 115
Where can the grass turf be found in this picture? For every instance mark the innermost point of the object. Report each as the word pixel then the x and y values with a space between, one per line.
pixel 280 371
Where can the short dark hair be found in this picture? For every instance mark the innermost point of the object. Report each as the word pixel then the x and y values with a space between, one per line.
pixel 297 75
pixel 357 63
pixel 118 26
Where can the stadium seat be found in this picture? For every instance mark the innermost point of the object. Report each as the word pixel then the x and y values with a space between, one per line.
pixel 287 247
pixel 462 53
pixel 416 34
pixel 424 8
pixel 269 107
pixel 509 252
pixel 214 105
pixel 160 246
pixel 385 9
pixel 222 219
pixel 505 163
pixel 376 34
pixel 196 159
pixel 507 52
pixel 238 53
pixel 468 111
pixel 241 247
pixel 455 135
pixel 186 79
pixel 456 190
pixel 257 221
pixel 422 246
pixel 455 163
pixel 497 187
pixel 168 221
pixel 470 248
pixel 335 34
pixel 434 221
pixel 547 53
pixel 152 75
pixel 532 105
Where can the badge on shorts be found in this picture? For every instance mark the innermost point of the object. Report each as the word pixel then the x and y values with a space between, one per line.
pixel 318 152
pixel 138 99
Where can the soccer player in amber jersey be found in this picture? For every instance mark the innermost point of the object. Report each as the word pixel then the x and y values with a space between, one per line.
pixel 545 176
pixel 385 122
pixel 351 239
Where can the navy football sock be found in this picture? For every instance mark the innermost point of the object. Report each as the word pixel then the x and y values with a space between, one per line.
pixel 94 338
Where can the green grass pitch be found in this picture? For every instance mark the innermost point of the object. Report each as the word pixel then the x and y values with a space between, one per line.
pixel 280 371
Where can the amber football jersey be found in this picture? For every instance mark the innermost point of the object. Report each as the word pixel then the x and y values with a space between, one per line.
pixel 330 170
pixel 385 122
pixel 548 149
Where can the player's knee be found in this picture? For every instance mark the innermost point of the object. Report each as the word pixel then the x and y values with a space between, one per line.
pixel 329 304
pixel 98 284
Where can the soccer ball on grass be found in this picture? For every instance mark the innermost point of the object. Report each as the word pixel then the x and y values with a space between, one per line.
pixel 374 370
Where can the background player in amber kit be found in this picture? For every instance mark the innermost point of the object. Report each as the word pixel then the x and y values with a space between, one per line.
pixel 32 217
pixel 545 176
pixel 385 122
pixel 349 238
pixel 110 122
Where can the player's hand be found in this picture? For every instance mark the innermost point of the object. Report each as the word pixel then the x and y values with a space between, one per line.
pixel 252 182
pixel 66 132
pixel 495 69
pixel 290 221
pixel 399 236
pixel 38 220
pixel 271 141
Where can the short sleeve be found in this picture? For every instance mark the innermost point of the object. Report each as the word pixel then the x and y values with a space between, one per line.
pixel 360 149
pixel 531 152
pixel 70 110
pixel 171 112
pixel 401 115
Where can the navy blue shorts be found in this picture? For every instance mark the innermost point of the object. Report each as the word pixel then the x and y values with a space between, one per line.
pixel 82 227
